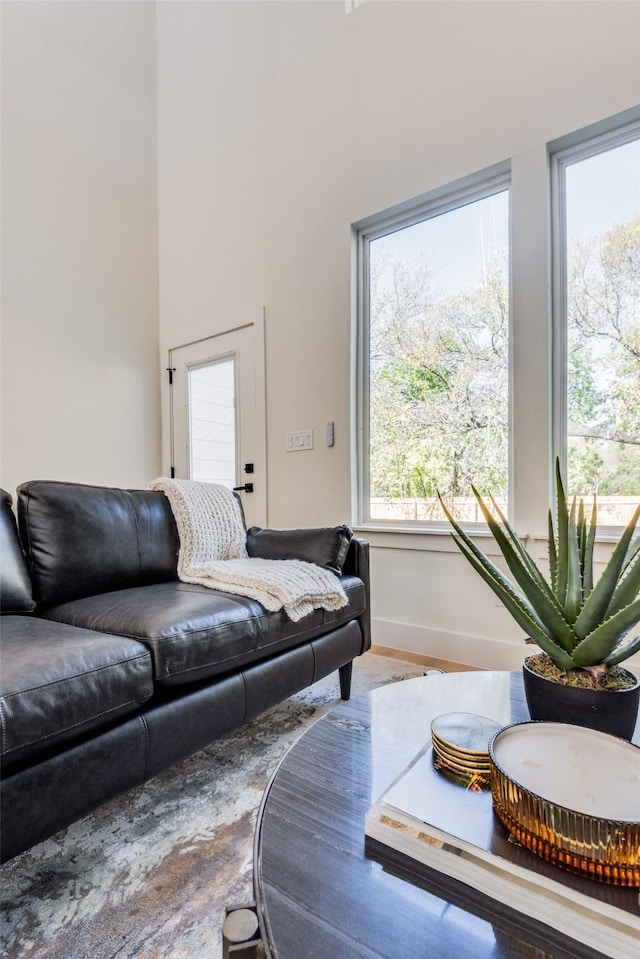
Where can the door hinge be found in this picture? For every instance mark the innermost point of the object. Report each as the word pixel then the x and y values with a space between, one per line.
pixel 171 370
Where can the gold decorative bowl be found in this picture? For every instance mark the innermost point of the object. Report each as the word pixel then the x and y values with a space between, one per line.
pixel 572 796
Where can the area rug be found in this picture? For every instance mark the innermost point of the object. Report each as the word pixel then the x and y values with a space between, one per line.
pixel 149 874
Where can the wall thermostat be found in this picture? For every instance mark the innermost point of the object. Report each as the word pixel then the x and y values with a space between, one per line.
pixel 329 433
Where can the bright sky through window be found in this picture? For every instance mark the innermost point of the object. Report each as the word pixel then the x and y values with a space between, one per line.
pixel 457 245
pixel 602 229
pixel 438 361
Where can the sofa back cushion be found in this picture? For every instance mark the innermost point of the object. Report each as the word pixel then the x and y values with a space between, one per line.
pixel 82 540
pixel 15 584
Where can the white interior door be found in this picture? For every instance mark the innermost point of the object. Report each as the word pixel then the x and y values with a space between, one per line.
pixel 217 416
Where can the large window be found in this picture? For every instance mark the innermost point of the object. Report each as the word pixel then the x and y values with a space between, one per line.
pixel 435 354
pixel 597 209
pixel 470 373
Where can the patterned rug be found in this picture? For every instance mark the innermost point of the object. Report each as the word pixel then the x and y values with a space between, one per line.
pixel 149 874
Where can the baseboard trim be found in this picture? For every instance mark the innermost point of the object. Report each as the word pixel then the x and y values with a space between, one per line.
pixel 433 662
pixel 475 651
pixel 481 652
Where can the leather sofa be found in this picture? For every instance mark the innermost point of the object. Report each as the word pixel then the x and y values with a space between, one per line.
pixel 112 669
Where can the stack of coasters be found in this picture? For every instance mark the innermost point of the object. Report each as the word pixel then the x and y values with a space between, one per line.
pixel 461 748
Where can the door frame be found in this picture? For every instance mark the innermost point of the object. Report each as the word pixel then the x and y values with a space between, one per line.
pixel 255 319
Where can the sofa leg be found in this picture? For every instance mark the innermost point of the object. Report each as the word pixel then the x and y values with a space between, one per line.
pixel 345 680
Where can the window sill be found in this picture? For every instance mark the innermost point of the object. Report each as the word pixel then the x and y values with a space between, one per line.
pixel 429 538
pixel 439 539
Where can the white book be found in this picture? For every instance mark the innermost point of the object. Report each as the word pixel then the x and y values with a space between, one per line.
pixel 455 831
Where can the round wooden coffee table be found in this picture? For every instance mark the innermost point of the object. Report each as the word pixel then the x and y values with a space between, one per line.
pixel 319 896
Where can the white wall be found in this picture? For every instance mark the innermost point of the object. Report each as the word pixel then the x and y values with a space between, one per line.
pixel 80 361
pixel 281 124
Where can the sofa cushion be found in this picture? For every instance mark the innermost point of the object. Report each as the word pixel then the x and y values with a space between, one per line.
pixel 194 632
pixel 81 540
pixel 326 546
pixel 15 583
pixel 58 682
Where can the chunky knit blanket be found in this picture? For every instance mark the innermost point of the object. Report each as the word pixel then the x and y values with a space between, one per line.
pixel 213 553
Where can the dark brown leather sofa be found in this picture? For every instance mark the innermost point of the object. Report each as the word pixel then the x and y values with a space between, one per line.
pixel 112 669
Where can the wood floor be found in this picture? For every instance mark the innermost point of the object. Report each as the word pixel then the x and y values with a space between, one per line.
pixel 427 661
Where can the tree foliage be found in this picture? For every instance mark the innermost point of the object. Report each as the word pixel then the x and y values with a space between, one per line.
pixel 603 306
pixel 439 375
pixel 438 386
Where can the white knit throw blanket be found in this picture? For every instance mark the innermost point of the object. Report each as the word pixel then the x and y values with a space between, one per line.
pixel 213 553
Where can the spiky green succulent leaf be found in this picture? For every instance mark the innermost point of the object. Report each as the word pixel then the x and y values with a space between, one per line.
pixel 632 552
pixel 573 600
pixel 527 560
pixel 562 523
pixel 628 587
pixel 516 605
pixel 536 589
pixel 486 565
pixel 516 602
pixel 623 651
pixel 587 566
pixel 596 604
pixel 553 554
pixel 602 641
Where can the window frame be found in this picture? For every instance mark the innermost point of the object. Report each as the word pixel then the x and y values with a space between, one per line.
pixel 444 199
pixel 563 153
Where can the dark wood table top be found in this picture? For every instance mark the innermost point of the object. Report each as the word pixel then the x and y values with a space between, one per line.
pixel 320 897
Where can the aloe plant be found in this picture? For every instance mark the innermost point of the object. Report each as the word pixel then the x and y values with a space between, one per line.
pixel 578 623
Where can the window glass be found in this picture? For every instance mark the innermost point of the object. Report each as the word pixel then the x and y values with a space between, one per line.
pixel 602 269
pixel 212 423
pixel 437 333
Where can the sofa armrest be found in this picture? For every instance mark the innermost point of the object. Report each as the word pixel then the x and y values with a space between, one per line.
pixel 357 564
pixel 325 546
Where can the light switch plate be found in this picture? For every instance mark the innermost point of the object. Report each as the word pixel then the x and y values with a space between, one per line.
pixel 298 441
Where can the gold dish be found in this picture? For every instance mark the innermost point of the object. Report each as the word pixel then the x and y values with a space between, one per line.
pixel 572 796
pixel 482 769
pixel 459 755
pixel 467 777
pixel 466 733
